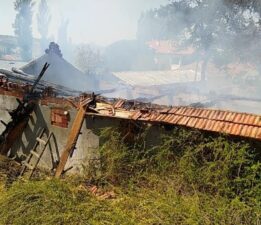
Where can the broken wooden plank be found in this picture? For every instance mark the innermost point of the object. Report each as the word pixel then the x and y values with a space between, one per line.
pixel 12 136
pixel 72 140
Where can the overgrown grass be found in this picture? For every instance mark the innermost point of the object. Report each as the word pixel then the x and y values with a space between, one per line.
pixel 213 170
pixel 189 178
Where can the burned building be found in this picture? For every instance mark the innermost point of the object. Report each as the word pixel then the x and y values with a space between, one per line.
pixel 47 121
pixel 61 134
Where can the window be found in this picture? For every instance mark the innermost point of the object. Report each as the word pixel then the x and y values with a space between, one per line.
pixel 59 117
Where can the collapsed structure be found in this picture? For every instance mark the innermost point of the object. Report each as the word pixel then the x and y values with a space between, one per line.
pixel 62 132
pixel 57 128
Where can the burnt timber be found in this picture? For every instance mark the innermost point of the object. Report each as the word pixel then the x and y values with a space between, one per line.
pixel 232 123
pixel 20 116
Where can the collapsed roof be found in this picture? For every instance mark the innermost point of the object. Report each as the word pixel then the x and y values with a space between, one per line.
pixel 219 121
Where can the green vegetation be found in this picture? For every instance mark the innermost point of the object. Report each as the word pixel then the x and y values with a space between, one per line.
pixel 189 178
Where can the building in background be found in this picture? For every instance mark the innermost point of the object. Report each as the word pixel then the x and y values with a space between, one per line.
pixel 9 49
pixel 170 56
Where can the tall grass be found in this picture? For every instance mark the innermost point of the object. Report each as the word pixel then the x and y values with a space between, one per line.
pixel 194 164
pixel 211 164
pixel 188 178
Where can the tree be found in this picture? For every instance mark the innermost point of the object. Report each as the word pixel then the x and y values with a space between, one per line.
pixel 23 27
pixel 88 59
pixel 64 41
pixel 43 21
pixel 127 55
pixel 214 28
pixel 246 4
pixel 219 30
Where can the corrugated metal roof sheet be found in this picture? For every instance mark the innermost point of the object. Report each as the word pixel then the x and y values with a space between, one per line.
pixel 153 78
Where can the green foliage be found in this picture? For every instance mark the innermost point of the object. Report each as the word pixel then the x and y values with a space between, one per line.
pixel 51 202
pixel 211 164
pixel 62 202
pixel 189 178
pixel 204 164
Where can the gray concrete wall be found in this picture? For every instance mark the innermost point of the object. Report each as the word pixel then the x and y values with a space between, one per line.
pixel 86 155
pixel 86 149
pixel 41 119
pixel 7 103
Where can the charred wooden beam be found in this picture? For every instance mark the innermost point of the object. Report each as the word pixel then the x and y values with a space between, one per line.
pixel 20 117
pixel 5 124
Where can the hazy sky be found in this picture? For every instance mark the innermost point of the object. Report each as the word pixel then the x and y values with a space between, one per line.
pixel 97 21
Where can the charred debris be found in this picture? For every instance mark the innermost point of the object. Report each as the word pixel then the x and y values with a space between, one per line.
pixel 20 115
pixel 30 92
pixel 33 91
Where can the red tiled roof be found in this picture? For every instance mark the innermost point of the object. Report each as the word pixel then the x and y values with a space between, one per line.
pixel 234 123
pixel 9 57
pixel 168 47
pixel 118 104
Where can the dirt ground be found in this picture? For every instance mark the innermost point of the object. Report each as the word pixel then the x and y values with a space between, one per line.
pixel 9 170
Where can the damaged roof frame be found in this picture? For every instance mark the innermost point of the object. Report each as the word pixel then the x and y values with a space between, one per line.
pixel 232 123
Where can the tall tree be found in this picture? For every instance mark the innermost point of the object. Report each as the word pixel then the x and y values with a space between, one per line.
pixel 23 27
pixel 88 59
pixel 215 28
pixel 43 21
pixel 63 40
